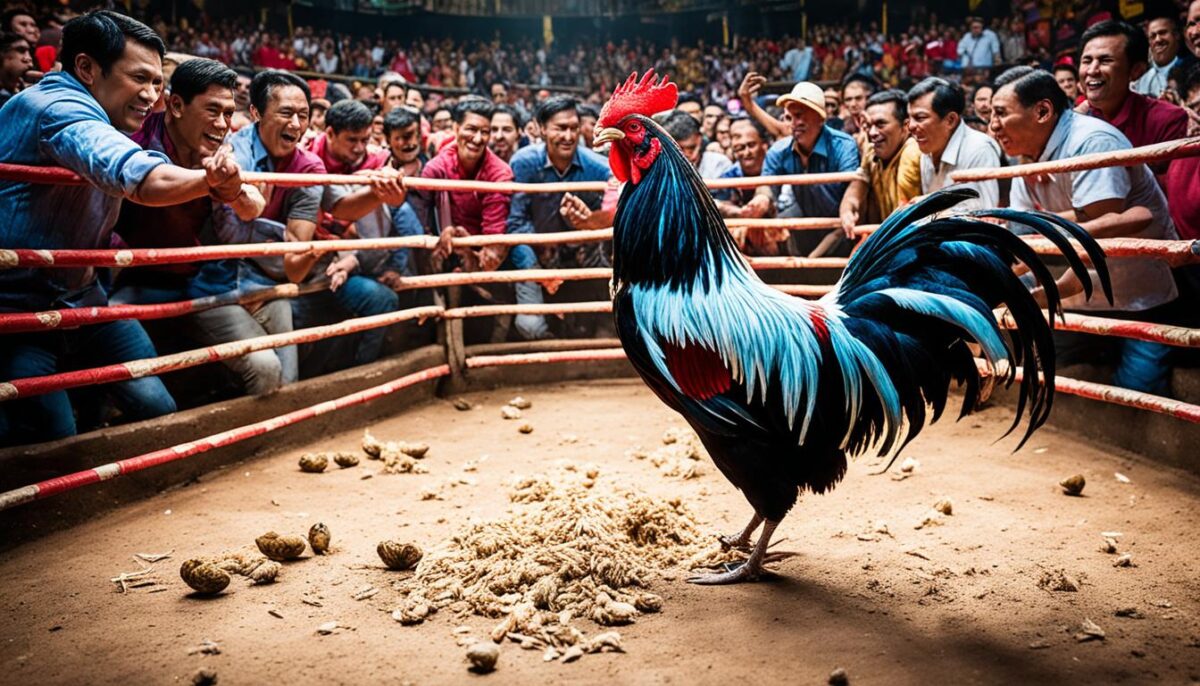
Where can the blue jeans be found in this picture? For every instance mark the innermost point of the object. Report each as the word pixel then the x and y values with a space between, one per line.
pixel 48 417
pixel 363 296
pixel 1143 366
pixel 530 326
pixel 261 372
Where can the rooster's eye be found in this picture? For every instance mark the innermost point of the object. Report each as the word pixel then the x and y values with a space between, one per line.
pixel 633 127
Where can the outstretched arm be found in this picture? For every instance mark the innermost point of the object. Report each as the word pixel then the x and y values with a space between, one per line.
pixel 746 93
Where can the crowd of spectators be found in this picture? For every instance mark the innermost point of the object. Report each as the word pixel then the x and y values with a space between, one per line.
pixel 164 156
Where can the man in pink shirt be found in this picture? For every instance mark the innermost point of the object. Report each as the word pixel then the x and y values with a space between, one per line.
pixel 453 214
pixel 465 213
pixel 1111 52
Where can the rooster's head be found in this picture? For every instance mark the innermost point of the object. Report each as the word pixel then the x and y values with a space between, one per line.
pixel 625 121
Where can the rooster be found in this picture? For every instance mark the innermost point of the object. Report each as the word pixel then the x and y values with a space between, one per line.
pixel 780 389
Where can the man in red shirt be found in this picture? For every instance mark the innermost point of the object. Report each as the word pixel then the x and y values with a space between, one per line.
pixel 1180 183
pixel 1112 50
pixel 464 213
pixel 470 213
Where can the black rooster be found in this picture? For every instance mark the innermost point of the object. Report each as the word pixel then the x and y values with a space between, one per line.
pixel 781 389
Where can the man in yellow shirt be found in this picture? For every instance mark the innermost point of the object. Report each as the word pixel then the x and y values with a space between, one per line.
pixel 891 166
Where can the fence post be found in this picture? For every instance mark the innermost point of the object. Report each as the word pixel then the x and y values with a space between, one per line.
pixel 450 334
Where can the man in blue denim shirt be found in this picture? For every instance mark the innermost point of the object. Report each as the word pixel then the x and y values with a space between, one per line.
pixel 558 158
pixel 112 75
pixel 280 100
pixel 813 149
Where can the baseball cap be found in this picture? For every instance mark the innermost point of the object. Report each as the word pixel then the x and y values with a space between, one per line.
pixel 805 93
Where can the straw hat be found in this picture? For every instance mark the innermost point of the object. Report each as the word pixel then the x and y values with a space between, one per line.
pixel 805 93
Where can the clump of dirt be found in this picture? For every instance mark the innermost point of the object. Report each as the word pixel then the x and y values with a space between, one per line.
pixel 398 457
pixel 1059 580
pixel 681 455
pixel 571 552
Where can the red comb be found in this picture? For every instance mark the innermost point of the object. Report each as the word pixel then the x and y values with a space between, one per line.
pixel 643 97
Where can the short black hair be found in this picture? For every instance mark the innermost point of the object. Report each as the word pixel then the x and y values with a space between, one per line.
pixel 266 81
pixel 690 97
pixel 895 97
pixel 348 115
pixel 6 19
pixel 1137 46
pixel 394 83
pixel 197 75
pixel 510 111
pixel 1188 77
pixel 399 118
pixel 1066 67
pixel 947 96
pixel 9 39
pixel 758 126
pixel 1034 85
pixel 102 35
pixel 552 106
pixel 586 110
pixel 871 84
pixel 244 71
pixel 480 106
pixel 680 125
pixel 1173 19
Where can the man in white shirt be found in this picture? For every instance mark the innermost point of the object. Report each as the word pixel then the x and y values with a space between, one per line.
pixel 935 110
pixel 1032 118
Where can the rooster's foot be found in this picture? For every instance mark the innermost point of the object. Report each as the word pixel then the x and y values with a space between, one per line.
pixel 741 541
pixel 743 572
pixel 738 542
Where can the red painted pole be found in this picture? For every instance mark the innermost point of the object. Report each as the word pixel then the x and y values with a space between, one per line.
pixel 1104 326
pixel 136 369
pixel 19 322
pixel 66 177
pixel 69 482
pixel 1146 154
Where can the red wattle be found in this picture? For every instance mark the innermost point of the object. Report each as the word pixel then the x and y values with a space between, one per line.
pixel 618 161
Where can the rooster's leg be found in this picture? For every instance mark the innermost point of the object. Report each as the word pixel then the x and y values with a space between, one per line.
pixel 742 540
pixel 750 570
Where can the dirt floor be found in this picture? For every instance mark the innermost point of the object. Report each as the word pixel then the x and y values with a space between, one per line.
pixel 955 603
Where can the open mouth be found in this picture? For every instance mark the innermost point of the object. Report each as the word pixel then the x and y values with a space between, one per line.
pixel 215 140
pixel 1093 84
pixel 290 137
pixel 142 112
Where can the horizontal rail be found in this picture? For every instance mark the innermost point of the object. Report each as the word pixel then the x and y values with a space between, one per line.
pixel 1115 395
pixel 1146 154
pixel 1174 253
pixel 74 317
pixel 136 369
pixel 12 258
pixel 1104 326
pixel 65 177
pixel 70 482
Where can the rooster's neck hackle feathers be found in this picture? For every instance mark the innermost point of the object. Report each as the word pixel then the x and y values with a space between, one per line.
pixel 646 97
pixel 667 230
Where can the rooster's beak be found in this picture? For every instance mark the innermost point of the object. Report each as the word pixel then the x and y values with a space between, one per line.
pixel 605 135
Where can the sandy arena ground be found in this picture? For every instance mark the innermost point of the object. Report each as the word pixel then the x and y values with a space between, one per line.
pixel 952 604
